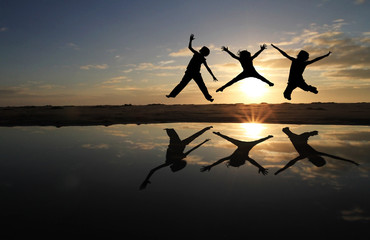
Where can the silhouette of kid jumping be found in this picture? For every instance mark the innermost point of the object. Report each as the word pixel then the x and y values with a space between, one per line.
pixel 193 72
pixel 175 152
pixel 296 70
pixel 304 150
pixel 246 60
pixel 240 155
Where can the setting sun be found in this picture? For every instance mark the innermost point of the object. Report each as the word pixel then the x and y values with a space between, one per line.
pixel 253 88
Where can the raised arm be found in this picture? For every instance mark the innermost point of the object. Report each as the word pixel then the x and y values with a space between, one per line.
pixel 318 58
pixel 226 49
pixel 208 167
pixel 210 72
pixel 283 53
pixel 196 147
pixel 146 181
pixel 260 168
pixel 263 47
pixel 190 41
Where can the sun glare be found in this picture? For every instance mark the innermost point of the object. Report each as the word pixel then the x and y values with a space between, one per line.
pixel 253 130
pixel 253 88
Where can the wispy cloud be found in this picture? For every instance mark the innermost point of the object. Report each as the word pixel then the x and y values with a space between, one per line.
pixel 72 46
pixel 95 146
pixel 90 66
pixel 28 89
pixel 356 73
pixel 322 3
pixel 184 52
pixel 128 89
pixel 51 86
pixel 116 80
pixel 8 91
pixel 166 62
pixel 147 66
pixel 3 29
pixel 358 2
pixel 355 214
pixel 351 54
pixel 145 145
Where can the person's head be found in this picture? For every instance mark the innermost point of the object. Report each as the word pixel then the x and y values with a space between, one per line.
pixel 317 160
pixel 303 55
pixel 204 51
pixel 178 165
pixel 244 54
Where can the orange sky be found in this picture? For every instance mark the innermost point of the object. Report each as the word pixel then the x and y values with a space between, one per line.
pixel 112 53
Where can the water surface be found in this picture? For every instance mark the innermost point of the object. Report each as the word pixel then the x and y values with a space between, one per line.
pixel 132 181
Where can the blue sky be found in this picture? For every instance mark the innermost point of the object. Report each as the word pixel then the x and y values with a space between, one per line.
pixel 118 52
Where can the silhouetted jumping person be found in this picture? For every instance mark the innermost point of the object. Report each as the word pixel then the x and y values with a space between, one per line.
pixel 306 151
pixel 240 155
pixel 296 72
pixel 175 152
pixel 246 60
pixel 193 72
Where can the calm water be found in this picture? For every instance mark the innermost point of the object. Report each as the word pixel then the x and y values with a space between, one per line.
pixel 94 181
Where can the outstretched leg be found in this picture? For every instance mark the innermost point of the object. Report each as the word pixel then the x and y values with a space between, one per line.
pixel 263 79
pixel 308 88
pixel 184 81
pixel 234 80
pixel 339 158
pixel 199 81
pixel 288 91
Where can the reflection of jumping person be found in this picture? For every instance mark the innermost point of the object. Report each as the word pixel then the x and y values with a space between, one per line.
pixel 175 152
pixel 306 151
pixel 296 70
pixel 193 72
pixel 240 155
pixel 246 60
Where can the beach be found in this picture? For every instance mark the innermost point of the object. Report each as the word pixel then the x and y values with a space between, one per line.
pixel 285 113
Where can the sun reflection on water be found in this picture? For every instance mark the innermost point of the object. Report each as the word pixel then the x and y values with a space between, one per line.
pixel 253 129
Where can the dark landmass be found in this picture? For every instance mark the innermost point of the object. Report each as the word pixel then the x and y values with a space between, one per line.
pixel 285 113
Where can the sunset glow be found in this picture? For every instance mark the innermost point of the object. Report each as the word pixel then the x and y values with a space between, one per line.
pixel 136 52
pixel 253 89
pixel 253 130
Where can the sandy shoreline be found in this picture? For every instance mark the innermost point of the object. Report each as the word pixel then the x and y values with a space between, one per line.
pixel 314 113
